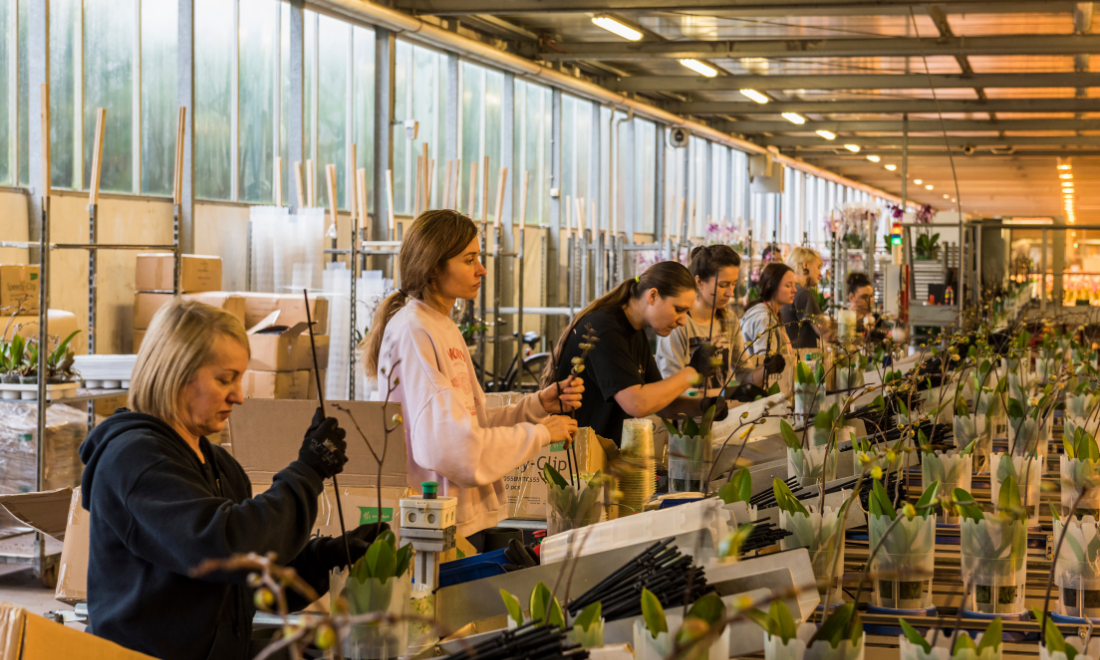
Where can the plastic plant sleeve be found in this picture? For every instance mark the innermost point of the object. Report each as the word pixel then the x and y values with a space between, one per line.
pixel 1077 572
pixel 847 379
pixel 808 400
pixel 994 563
pixel 1093 650
pixel 1071 424
pixel 741 513
pixel 422 635
pixel 689 461
pixel 811 464
pixel 822 536
pixel 1079 405
pixel 375 640
pixel 571 508
pixel 952 470
pixel 646 647
pixel 969 428
pixel 1029 477
pixel 590 638
pixel 1076 475
pixel 941 649
pixel 1027 434
pixel 908 550
pixel 874 458
pixel 796 649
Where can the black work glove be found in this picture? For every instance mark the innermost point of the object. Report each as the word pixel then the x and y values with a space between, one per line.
pixel 702 360
pixel 746 393
pixel 775 364
pixel 519 556
pixel 721 408
pixel 324 448
pixel 331 549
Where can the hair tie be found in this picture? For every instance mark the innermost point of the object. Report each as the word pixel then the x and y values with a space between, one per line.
pixel 403 293
pixel 638 279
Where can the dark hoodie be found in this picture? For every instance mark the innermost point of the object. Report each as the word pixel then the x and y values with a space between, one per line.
pixel 157 512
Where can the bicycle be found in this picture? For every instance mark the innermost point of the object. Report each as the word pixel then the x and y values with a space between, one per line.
pixel 521 376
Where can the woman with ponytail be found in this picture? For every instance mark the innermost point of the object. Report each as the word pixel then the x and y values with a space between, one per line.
pixel 450 436
pixel 624 375
pixel 761 328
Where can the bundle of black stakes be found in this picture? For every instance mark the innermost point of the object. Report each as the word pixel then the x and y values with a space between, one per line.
pixel 764 535
pixel 766 499
pixel 671 576
pixel 529 641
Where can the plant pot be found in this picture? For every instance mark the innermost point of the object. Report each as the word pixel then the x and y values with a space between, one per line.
pixel 796 649
pixel 941 648
pixel 591 638
pixel 374 640
pixel 812 464
pixel 690 459
pixel 849 378
pixel 807 401
pixel 1076 476
pixel 1077 572
pixel 905 561
pixel 994 562
pixel 28 380
pixel 648 648
pixel 952 470
pixel 1029 477
pixel 1026 435
pixel 10 378
pixel 1092 651
pixel 571 508
pixel 823 538
pixel 977 429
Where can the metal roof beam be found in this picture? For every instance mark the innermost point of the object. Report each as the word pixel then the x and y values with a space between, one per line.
pixel 850 81
pixel 765 7
pixel 953 140
pixel 1039 44
pixel 893 106
pixel 915 126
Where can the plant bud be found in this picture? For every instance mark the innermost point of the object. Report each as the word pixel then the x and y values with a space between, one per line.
pixel 263 599
pixel 254 580
pixel 324 637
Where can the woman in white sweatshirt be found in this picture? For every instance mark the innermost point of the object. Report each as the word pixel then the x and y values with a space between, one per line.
pixel 450 436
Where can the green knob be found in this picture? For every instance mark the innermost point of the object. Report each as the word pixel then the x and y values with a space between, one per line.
pixel 429 489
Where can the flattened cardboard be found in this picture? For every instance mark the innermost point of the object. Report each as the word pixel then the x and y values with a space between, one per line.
pixel 155 271
pixel 276 384
pixel 19 287
pixel 26 636
pixel 289 350
pixel 360 507
pixel 72 574
pixel 147 304
pixel 291 308
pixel 45 511
pixel 525 488
pixel 267 435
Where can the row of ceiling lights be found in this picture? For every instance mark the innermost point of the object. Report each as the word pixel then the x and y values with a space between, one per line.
pixel 1065 176
pixel 630 34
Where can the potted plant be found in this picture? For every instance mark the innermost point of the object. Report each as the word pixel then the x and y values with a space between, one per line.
pixel 736 493
pixel 809 389
pixel 993 549
pixel 59 363
pixel 690 453
pixel 570 507
pixel 1077 572
pixel 821 533
pixel 851 371
pixel 1029 428
pixel 810 464
pixel 951 469
pixel 378 582
pixel 1079 466
pixel 936 645
pixel 927 247
pixel 1026 477
pixel 542 607
pixel 654 641
pixel 840 636
pixel 1053 646
pixel 906 540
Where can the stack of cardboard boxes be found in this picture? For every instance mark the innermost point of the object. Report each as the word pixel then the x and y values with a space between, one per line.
pixel 282 362
pixel 18 289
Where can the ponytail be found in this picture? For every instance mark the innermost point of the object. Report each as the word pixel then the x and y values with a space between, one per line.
pixel 668 277
pixel 372 343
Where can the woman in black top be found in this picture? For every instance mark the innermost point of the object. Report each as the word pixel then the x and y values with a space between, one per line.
pixel 627 382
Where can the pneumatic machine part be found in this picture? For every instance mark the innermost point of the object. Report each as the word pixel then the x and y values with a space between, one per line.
pixel 428 522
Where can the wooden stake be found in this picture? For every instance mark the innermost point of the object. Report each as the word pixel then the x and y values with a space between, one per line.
pixel 353 207
pixel 330 172
pixel 691 220
pixel 668 219
pixel 389 204
pixel 473 189
pixel 97 156
pixel 177 178
pixel 416 186
pixel 680 219
pixel 568 215
pixel 278 181
pixel 299 185
pixel 45 118
pixel 499 209
pixel 361 177
pixel 523 198
pixel 580 219
pixel 485 194
pixel 311 176
pixel 428 185
pixel 458 186
pixel 447 186
pixel 424 181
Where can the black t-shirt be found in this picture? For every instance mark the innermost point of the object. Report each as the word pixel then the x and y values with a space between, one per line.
pixel 796 317
pixel 620 359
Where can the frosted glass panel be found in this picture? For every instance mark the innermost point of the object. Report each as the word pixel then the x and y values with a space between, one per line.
pixel 364 105
pixel 645 175
pixel 110 27
pixel 213 62
pixel 159 105
pixel 333 47
pixel 256 89
pixel 23 95
pixel 420 95
pixel 7 13
pixel 64 23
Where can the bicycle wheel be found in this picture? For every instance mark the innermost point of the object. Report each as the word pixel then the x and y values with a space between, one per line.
pixel 527 380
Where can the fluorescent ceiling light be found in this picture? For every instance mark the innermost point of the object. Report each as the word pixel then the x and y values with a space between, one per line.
pixel 1065 166
pixel 945 196
pixel 918 181
pixel 954 200
pixel 755 95
pixel 828 135
pixel 794 118
pixel 1065 176
pixel 891 167
pixel 874 159
pixel 611 25
pixel 854 148
pixel 701 69
pixel 928 187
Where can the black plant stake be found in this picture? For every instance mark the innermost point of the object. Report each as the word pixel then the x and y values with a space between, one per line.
pixel 588 342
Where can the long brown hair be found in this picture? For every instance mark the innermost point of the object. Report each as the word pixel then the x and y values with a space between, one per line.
pixel 770 279
pixel 434 238
pixel 668 277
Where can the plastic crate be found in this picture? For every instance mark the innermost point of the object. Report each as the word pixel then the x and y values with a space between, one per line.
pixel 473 568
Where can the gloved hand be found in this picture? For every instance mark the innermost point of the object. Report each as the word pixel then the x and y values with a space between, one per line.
pixel 323 448
pixel 775 363
pixel 721 408
pixel 746 393
pixel 702 360
pixel 520 556
pixel 331 549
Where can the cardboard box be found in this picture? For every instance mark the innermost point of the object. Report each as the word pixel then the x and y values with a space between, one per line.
pixel 26 636
pixel 156 271
pixel 275 384
pixel 291 308
pixel 58 323
pixel 525 488
pixel 44 511
pixel 312 394
pixel 139 335
pixel 19 287
pixel 284 350
pixel 72 574
pixel 147 304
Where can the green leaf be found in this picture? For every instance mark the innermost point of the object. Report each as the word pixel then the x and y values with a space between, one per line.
pixel 1054 640
pixel 964 642
pixel 880 502
pixel 552 477
pixel 62 348
pixel 819 372
pixel 404 558
pixel 759 618
pixel 541 598
pixel 788 630
pixel 902 408
pixel 966 504
pixel 709 608
pixel 589 616
pixel 730 546
pixel 774 389
pixel 1015 408
pixel 708 421
pixel 790 438
pixel 786 500
pixel 879 404
pixel 738 488
pixel 924 504
pixel 832 629
pixel 914 637
pixel 691 429
pixel 992 637
pixel 653 614
pixel 1009 497
pixel 671 426
pixel 1054 512
pixel 381 560
pixel 515 611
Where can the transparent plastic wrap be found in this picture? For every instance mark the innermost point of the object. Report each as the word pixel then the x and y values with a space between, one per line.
pixel 337 288
pixel 952 470
pixel 811 464
pixel 905 562
pixel 994 564
pixel 1079 405
pixel 1077 572
pixel 977 429
pixel 689 461
pixel 571 508
pixel 822 536
pixel 66 428
pixel 646 647
pixel 1083 653
pixel 266 221
pixel 796 649
pixel 807 400
pixel 297 253
pixel 941 648
pixel 375 640
pixel 1079 476
pixel 1028 475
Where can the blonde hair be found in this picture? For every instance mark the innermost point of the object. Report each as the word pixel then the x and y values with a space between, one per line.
pixel 178 342
pixel 434 238
pixel 800 259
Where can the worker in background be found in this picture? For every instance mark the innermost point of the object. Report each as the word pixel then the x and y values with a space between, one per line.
pixel 803 316
pixel 162 498
pixel 861 300
pixel 716 269
pixel 623 375
pixel 415 347
pixel 761 327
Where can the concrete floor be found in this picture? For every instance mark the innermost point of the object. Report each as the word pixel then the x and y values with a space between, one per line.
pixel 19 587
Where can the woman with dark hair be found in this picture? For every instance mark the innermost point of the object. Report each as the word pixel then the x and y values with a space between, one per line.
pixel 623 377
pixel 450 436
pixel 761 327
pixel 861 300
pixel 716 269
